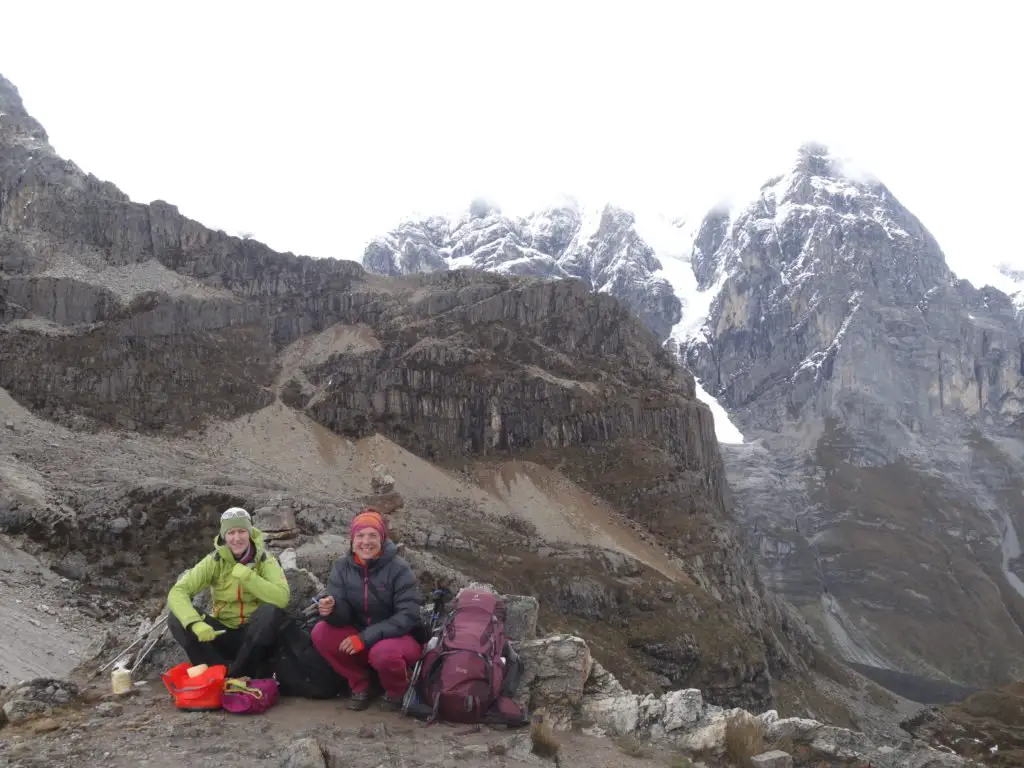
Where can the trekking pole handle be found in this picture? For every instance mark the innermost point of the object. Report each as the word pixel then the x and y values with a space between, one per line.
pixel 438 606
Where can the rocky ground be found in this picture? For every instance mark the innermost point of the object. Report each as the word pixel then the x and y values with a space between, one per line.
pixel 582 716
pixel 987 726
pixel 145 730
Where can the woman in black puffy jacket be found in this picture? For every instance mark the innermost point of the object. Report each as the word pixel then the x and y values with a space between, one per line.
pixel 370 614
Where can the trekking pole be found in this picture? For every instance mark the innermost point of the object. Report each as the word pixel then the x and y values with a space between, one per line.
pixel 142 638
pixel 440 596
pixel 149 646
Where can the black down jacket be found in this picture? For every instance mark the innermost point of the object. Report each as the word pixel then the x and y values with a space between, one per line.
pixel 381 599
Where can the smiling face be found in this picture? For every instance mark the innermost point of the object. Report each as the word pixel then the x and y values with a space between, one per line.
pixel 366 543
pixel 238 541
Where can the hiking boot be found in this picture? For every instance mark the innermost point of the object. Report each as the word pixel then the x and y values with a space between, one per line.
pixel 391 703
pixel 360 700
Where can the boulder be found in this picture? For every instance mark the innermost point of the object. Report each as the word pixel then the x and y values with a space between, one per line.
pixel 381 480
pixel 319 553
pixel 709 733
pixel 385 503
pixel 794 728
pixel 630 714
pixel 304 753
pixel 287 559
pixel 555 672
pixel 277 521
pixel 303 586
pixel 38 698
pixel 603 683
pixel 522 612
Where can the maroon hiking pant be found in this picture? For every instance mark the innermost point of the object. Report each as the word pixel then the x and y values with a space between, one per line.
pixel 392 658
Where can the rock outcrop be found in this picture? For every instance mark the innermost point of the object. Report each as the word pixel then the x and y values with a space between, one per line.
pixel 682 719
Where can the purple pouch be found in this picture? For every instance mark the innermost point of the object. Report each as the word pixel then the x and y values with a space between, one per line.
pixel 248 697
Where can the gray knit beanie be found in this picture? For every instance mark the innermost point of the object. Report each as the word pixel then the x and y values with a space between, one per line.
pixel 235 517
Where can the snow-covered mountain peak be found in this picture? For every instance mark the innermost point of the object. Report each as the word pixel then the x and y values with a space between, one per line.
pixel 812 218
pixel 819 178
pixel 600 245
pixel 815 176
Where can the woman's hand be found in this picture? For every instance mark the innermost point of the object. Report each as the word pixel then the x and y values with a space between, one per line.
pixel 351 645
pixel 326 606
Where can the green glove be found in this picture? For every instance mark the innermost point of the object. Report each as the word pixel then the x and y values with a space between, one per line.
pixel 204 632
pixel 241 572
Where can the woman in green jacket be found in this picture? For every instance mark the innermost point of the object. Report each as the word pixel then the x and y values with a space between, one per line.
pixel 250 593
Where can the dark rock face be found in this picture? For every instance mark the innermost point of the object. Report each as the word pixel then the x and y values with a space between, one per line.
pixel 605 251
pixel 120 316
pixel 884 396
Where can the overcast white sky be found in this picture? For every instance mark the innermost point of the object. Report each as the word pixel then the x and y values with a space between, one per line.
pixel 318 127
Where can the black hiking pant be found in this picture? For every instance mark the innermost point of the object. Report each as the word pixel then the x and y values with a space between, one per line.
pixel 245 651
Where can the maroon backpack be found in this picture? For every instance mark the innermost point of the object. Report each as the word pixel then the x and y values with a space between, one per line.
pixel 471 673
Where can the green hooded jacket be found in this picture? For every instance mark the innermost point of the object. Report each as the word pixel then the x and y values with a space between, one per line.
pixel 234 601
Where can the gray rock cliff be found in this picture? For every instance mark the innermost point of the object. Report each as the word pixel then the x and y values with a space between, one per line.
pixel 881 399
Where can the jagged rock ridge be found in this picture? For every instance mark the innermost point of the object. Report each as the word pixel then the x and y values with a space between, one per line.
pixel 601 248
